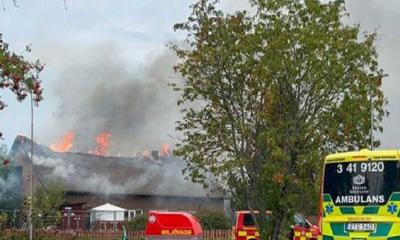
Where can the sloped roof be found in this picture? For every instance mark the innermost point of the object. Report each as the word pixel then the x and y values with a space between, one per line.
pixel 82 172
pixel 108 207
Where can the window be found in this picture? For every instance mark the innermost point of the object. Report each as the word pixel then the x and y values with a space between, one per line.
pixel 248 220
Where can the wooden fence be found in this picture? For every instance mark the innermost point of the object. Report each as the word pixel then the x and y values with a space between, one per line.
pixel 217 234
pixel 102 235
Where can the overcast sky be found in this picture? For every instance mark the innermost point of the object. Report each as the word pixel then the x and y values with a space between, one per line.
pixel 130 38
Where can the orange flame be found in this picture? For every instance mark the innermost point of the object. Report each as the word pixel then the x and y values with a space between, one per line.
pixel 64 144
pixel 165 151
pixel 103 143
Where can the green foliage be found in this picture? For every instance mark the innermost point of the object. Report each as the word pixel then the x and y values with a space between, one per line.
pixel 138 223
pixel 13 237
pixel 3 220
pixel 213 220
pixel 266 96
pixel 48 238
pixel 19 75
pixel 46 205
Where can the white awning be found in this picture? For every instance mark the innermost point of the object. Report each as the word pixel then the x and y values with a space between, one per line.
pixel 108 207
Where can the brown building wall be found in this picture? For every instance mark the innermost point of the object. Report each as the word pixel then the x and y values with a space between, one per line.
pixel 146 203
pixel 87 201
pixel 74 217
pixel 23 161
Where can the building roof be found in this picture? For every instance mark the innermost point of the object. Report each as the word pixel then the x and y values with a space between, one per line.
pixel 82 172
pixel 108 207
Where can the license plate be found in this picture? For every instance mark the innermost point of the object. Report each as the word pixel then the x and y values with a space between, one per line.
pixel 360 227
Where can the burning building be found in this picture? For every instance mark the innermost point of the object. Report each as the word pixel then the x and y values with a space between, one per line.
pixel 133 183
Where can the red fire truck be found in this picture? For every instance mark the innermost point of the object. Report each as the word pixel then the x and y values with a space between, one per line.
pixel 302 229
pixel 245 229
pixel 173 225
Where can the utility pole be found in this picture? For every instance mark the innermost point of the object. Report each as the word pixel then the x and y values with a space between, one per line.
pixel 31 176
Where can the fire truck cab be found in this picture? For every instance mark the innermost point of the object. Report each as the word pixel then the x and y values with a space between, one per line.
pixel 245 229
pixel 173 225
pixel 303 229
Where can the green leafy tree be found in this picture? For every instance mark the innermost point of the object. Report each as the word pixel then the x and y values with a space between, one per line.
pixel 266 95
pixel 19 75
pixel 46 205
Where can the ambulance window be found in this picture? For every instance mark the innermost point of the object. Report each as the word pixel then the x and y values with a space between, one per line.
pixel 248 220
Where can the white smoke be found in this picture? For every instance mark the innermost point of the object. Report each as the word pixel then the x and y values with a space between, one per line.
pixel 98 93
pixel 148 178
pixel 7 186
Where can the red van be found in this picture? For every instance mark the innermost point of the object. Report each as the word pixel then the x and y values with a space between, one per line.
pixel 173 225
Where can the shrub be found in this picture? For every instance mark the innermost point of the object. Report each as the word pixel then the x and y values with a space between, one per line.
pixel 213 220
pixel 138 223
pixel 13 237
pixel 3 220
pixel 47 238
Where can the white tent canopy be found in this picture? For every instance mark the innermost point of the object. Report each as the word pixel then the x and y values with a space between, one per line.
pixel 107 212
pixel 108 207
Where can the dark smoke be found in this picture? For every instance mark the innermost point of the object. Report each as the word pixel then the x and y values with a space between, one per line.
pixel 100 94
